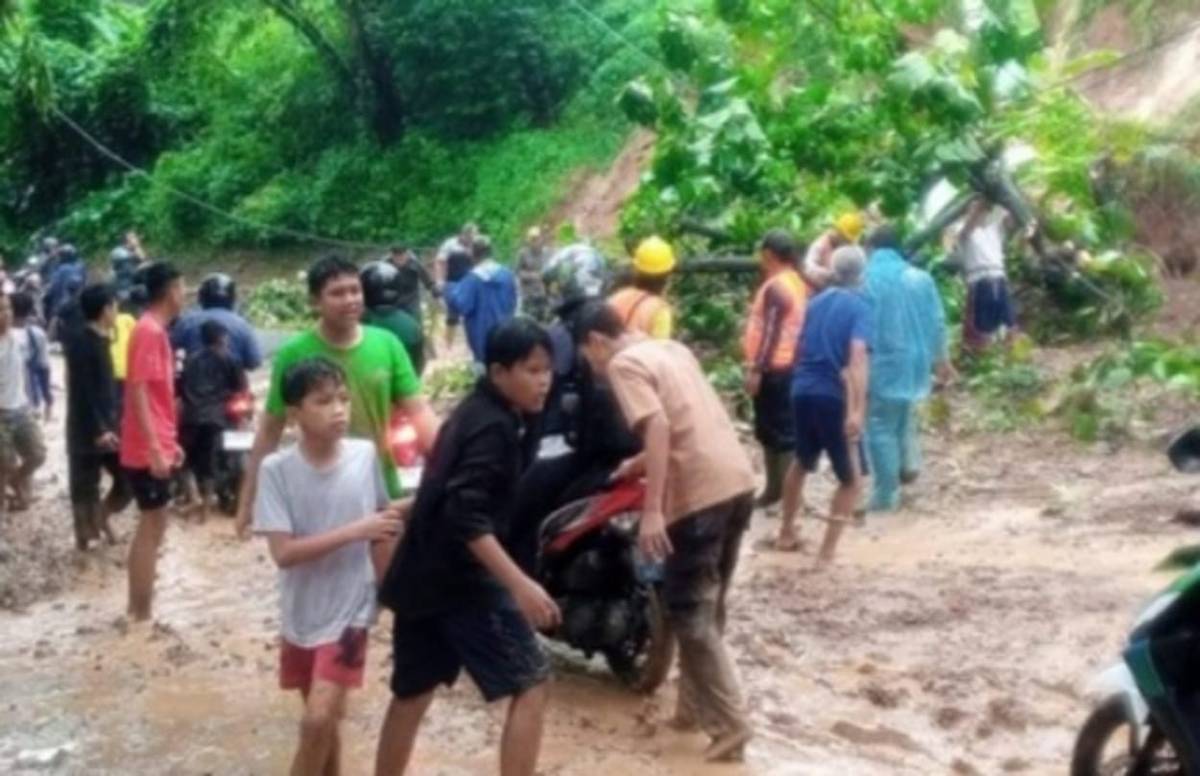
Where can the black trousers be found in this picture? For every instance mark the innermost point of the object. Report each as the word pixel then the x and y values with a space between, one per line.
pixel 202 445
pixel 84 471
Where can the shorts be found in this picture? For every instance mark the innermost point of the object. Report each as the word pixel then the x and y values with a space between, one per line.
pixel 989 308
pixel 820 428
pixel 773 412
pixel 83 476
pixel 494 643
pixel 21 441
pixel 149 492
pixel 343 662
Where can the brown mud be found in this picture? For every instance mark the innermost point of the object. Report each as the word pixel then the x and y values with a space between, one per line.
pixel 958 636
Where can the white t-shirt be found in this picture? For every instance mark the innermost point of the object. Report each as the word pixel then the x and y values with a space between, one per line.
pixel 983 249
pixel 12 371
pixel 320 599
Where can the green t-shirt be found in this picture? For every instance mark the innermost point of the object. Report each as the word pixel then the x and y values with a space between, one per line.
pixel 406 329
pixel 378 374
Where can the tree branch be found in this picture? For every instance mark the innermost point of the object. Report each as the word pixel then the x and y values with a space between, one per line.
pixel 312 33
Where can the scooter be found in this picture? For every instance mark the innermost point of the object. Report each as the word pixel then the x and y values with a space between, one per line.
pixel 1148 718
pixel 236 442
pixel 609 593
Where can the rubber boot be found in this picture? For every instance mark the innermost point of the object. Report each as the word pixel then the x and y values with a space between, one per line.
pixel 775 464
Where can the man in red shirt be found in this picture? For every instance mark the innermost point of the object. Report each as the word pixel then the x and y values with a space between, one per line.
pixel 149 439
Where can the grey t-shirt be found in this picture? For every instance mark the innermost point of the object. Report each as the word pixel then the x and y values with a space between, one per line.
pixel 320 599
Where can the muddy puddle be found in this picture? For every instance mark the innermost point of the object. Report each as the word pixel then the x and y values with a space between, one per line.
pixel 957 637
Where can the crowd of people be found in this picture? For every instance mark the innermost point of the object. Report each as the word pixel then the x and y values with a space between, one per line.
pixel 840 348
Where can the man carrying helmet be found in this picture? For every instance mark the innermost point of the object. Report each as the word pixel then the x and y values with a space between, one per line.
pixel 818 262
pixel 218 298
pixel 382 298
pixel 641 306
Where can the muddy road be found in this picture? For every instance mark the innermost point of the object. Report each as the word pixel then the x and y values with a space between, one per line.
pixel 957 637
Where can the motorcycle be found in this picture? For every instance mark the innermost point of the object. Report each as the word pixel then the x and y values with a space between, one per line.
pixel 236 442
pixel 1148 718
pixel 608 592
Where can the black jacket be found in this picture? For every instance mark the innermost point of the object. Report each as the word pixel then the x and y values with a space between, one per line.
pixel 466 492
pixel 91 390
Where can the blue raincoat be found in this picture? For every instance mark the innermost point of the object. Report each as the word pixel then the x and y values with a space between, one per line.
pixel 485 298
pixel 910 338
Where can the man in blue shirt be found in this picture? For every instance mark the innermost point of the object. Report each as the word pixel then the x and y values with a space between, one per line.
pixel 218 295
pixel 485 298
pixel 829 396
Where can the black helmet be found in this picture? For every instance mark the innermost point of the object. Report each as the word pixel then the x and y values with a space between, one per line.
pixel 380 282
pixel 218 290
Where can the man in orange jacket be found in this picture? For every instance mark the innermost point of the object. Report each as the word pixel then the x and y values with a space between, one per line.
pixel 641 306
pixel 769 351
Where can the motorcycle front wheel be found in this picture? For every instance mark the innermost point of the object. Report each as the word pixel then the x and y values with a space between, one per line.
pixel 645 671
pixel 1107 746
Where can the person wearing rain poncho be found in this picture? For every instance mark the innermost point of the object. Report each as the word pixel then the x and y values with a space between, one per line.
pixel 908 347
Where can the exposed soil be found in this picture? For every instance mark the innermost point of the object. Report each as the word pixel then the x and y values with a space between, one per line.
pixel 593 200
pixel 958 636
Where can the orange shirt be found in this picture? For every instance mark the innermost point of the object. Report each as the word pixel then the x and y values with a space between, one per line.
pixel 643 312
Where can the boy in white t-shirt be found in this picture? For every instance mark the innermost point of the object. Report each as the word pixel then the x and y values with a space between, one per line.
pixel 323 506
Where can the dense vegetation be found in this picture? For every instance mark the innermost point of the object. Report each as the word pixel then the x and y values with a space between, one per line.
pixel 356 119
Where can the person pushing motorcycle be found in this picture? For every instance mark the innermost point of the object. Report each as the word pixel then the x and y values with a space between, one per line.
pixel 699 498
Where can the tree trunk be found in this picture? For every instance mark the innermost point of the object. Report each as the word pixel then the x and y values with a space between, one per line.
pixel 383 105
pixel 308 29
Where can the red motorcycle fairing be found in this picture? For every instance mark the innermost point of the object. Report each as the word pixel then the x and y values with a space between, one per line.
pixel 623 498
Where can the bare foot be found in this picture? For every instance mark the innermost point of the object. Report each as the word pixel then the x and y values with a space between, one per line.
pixel 787 542
pixel 730 747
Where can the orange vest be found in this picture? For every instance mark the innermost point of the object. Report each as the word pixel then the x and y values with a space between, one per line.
pixel 637 309
pixel 789 283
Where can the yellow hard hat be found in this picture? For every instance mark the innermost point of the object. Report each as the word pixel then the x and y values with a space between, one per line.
pixel 654 257
pixel 851 225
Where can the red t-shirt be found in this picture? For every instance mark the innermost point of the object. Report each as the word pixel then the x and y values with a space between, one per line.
pixel 151 363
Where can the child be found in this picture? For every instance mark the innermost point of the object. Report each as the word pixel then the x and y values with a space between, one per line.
pixel 37 355
pixel 459 599
pixel 323 506
pixel 211 377
pixel 92 420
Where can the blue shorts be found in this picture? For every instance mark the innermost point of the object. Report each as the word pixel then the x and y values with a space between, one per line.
pixel 820 428
pixel 989 307
pixel 493 642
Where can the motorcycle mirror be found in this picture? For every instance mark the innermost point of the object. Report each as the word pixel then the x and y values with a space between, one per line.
pixel 1184 451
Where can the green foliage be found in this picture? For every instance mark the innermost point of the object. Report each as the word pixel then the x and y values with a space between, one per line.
pixel 1099 400
pixel 279 303
pixel 366 121
pixel 449 383
pixel 777 113
pixel 709 312
pixel 1007 386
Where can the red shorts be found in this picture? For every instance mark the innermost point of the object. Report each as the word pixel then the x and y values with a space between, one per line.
pixel 342 662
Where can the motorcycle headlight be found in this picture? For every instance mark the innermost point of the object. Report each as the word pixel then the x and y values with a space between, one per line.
pixel 626 523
